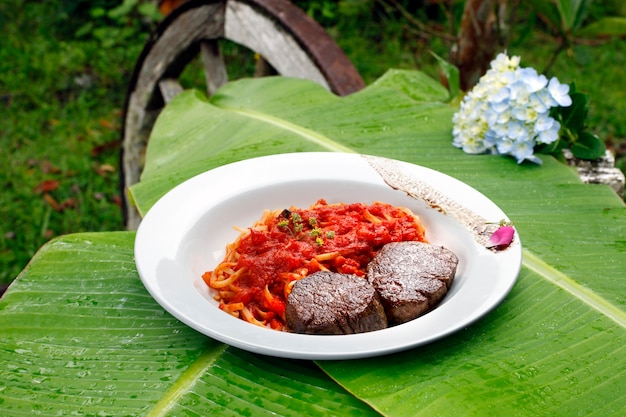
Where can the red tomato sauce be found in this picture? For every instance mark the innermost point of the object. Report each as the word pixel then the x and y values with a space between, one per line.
pixel 297 242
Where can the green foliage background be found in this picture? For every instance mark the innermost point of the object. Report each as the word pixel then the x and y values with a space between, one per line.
pixel 64 68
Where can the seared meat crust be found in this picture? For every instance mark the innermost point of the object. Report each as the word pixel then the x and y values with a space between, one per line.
pixel 332 303
pixel 411 278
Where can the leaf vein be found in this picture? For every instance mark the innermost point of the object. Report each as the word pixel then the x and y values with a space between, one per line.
pixel 308 134
pixel 182 386
pixel 579 291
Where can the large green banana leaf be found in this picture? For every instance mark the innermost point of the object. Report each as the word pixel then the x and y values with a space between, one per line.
pixel 81 336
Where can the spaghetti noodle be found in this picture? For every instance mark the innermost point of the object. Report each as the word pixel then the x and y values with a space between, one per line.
pixel 260 267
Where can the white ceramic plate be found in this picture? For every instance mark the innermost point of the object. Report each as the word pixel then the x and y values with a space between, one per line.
pixel 185 233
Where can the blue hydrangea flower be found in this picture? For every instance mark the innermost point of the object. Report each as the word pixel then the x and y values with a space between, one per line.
pixel 508 111
pixel 559 92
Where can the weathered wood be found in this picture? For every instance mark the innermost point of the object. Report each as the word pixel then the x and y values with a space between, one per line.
pixel 169 88
pixel 598 171
pixel 337 69
pixel 285 38
pixel 260 33
pixel 165 56
pixel 215 72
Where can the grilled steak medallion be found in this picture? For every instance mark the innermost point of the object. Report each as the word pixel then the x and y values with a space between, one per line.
pixel 411 278
pixel 332 303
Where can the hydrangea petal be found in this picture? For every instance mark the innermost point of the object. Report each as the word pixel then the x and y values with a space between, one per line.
pixel 523 151
pixel 559 92
pixel 533 81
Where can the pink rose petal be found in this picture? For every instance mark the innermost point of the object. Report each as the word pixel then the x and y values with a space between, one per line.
pixel 502 237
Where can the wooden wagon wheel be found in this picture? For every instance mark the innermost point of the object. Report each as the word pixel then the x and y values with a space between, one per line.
pixel 282 34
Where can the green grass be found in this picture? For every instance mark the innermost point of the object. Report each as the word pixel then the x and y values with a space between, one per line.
pixel 59 131
pixel 62 96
